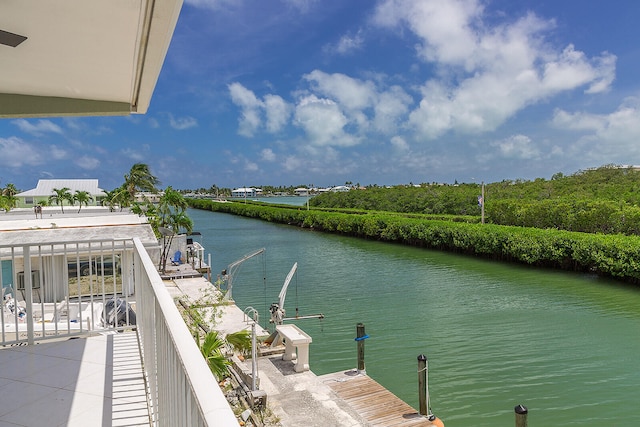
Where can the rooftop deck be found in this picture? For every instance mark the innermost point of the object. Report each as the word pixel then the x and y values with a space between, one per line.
pixel 93 381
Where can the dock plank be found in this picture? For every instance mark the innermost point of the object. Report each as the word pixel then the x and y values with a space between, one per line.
pixel 377 405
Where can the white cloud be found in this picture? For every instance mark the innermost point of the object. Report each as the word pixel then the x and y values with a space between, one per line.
pixel 487 74
pixel 399 143
pixel 15 153
pixel 444 26
pixel 133 154
pixel 250 166
pixel 250 105
pixel 579 121
pixel 606 138
pixel 517 147
pixel 74 124
pixel 58 153
pixel 323 122
pixel 359 99
pixel 350 93
pixel 292 163
pixel 347 44
pixel 182 123
pixel 37 128
pixel 390 109
pixel 87 162
pixel 267 155
pixel 277 112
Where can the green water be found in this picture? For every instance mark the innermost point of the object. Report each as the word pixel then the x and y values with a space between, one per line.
pixel 566 346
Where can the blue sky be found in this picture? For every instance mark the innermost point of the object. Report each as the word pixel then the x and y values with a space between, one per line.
pixel 290 92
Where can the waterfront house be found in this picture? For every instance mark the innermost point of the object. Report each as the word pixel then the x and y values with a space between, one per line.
pixel 244 192
pixel 45 187
pixel 301 191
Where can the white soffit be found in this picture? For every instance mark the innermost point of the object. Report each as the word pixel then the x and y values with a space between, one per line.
pixel 82 57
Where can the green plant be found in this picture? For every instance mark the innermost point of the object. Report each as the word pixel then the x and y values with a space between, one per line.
pixel 240 341
pixel 211 348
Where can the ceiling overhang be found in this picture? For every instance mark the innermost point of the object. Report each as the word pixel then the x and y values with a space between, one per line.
pixel 78 57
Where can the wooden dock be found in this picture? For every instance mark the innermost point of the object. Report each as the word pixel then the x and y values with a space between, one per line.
pixel 377 405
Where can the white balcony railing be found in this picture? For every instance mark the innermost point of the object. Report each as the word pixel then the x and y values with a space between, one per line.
pixel 182 388
pixel 67 297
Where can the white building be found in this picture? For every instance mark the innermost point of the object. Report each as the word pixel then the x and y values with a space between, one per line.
pixel 245 192
pixel 340 188
pixel 302 191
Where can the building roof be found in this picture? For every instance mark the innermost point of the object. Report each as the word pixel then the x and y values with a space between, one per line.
pixel 77 57
pixel 22 228
pixel 45 187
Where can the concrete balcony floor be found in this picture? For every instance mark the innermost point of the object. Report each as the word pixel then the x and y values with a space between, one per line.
pixel 94 381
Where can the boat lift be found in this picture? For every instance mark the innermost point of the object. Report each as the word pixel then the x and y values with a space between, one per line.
pixel 278 312
pixel 229 273
pixel 277 308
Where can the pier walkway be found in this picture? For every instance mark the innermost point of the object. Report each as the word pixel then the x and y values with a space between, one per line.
pixel 377 405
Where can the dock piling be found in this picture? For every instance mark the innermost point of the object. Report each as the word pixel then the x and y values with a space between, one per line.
pixel 423 386
pixel 521 415
pixel 360 337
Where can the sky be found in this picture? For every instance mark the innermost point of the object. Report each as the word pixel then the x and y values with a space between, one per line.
pixel 324 92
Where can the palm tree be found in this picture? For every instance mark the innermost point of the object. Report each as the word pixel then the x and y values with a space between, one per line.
pixel 8 199
pixel 140 178
pixel 82 197
pixel 61 194
pixel 10 190
pixel 170 214
pixel 118 196
pixel 211 349
pixel 110 199
pixel 4 203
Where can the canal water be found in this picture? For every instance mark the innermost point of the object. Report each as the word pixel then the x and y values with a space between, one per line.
pixel 566 346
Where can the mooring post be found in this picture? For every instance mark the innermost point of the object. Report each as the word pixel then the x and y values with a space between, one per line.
pixel 360 337
pixel 521 415
pixel 423 394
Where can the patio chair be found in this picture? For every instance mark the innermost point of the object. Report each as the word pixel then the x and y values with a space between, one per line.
pixel 176 258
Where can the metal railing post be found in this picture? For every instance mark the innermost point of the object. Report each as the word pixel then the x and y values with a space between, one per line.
pixel 28 297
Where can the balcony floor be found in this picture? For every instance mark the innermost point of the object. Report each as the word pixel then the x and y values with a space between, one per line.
pixel 95 381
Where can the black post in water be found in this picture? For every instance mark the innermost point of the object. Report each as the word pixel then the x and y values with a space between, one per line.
pixel 422 384
pixel 360 340
pixel 521 415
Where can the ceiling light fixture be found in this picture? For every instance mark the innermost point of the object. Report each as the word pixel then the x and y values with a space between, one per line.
pixel 11 39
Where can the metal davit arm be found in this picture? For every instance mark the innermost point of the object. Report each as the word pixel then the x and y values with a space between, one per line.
pixel 230 272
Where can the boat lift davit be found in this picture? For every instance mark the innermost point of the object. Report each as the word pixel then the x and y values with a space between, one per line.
pixel 278 312
pixel 229 273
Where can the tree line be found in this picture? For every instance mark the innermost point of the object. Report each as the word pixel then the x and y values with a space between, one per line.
pixel 602 200
pixel 615 256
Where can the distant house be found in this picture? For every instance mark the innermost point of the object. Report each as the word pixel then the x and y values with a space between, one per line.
pixel 301 191
pixel 45 187
pixel 340 188
pixel 244 192
pixel 146 196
